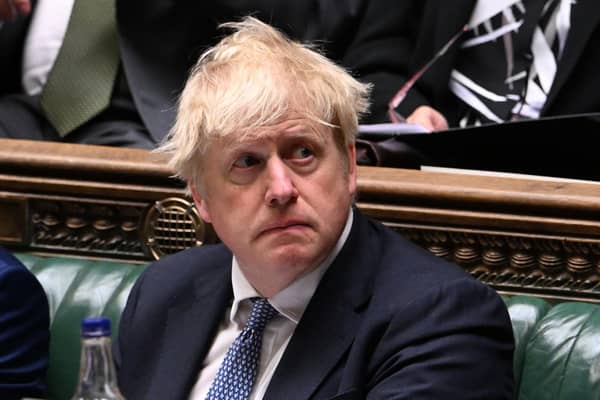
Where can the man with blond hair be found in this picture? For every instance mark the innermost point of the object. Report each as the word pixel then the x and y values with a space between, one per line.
pixel 305 298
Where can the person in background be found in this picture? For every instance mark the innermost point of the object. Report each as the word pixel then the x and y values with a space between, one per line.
pixel 516 59
pixel 24 331
pixel 120 89
pixel 305 298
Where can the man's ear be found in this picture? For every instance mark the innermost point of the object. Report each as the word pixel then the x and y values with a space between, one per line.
pixel 201 205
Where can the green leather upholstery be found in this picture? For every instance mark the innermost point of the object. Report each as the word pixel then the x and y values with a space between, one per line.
pixel 77 288
pixel 525 313
pixel 562 359
pixel 557 348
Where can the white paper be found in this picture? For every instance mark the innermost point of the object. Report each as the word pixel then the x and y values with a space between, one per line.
pixel 403 128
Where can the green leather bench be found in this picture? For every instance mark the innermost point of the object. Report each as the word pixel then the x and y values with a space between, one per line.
pixel 557 353
pixel 557 349
pixel 77 288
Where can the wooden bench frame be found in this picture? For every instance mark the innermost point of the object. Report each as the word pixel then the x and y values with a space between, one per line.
pixel 520 235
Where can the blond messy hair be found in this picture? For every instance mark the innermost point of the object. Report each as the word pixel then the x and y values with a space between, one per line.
pixel 253 78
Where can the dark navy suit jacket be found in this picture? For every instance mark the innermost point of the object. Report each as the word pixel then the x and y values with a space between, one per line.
pixel 24 335
pixel 387 321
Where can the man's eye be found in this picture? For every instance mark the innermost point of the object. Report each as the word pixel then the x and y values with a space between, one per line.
pixel 303 152
pixel 245 162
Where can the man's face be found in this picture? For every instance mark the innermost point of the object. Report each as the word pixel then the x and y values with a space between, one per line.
pixel 278 202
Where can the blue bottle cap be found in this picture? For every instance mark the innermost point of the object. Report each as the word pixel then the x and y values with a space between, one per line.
pixel 95 327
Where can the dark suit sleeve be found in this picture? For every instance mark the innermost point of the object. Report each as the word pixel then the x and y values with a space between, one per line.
pixel 125 322
pixel 382 49
pixel 24 335
pixel 12 40
pixel 452 342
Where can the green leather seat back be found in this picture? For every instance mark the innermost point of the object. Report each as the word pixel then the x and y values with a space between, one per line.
pixel 78 288
pixel 562 361
pixel 525 313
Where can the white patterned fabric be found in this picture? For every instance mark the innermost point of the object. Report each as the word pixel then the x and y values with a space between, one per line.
pixel 508 63
pixel 237 373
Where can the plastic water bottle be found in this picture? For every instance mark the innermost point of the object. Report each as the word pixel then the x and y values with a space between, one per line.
pixel 97 375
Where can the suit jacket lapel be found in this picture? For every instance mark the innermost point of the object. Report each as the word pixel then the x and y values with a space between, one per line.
pixel 587 17
pixel 190 328
pixel 327 327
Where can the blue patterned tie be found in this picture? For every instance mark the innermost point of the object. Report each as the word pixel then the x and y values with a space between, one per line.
pixel 236 374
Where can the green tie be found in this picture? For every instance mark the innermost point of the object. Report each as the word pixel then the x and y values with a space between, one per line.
pixel 80 83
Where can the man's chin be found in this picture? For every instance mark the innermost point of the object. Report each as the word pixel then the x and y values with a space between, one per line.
pixel 291 257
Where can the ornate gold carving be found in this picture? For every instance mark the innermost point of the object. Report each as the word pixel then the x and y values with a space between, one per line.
pixel 522 260
pixel 466 255
pixel 116 229
pixel 517 261
pixel 440 251
pixel 579 265
pixel 494 258
pixel 550 261
pixel 86 227
pixel 174 224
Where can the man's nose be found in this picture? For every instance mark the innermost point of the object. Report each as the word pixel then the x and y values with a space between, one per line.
pixel 280 184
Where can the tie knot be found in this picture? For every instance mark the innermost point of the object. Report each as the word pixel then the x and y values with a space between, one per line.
pixel 262 312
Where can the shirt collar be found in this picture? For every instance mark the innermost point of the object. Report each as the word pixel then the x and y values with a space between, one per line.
pixel 291 301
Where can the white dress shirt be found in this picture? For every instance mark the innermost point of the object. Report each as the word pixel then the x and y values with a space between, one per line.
pixel 290 302
pixel 44 38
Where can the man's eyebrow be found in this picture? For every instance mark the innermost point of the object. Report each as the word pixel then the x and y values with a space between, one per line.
pixel 294 132
pixel 233 147
pixel 303 131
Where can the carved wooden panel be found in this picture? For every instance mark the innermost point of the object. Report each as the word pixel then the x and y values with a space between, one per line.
pixel 520 235
pixel 113 229
pixel 554 267
pixel 87 227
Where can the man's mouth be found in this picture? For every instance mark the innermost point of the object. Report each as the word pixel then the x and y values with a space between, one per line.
pixel 282 226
